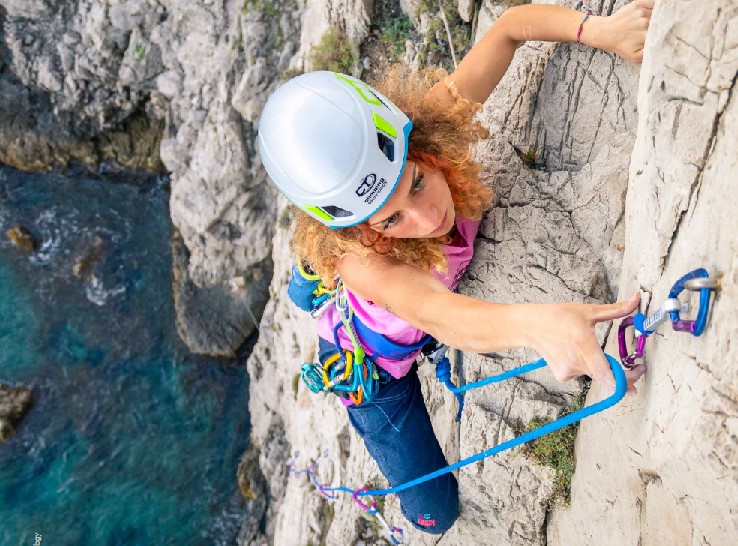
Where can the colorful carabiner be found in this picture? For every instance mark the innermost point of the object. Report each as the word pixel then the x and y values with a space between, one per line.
pixel 696 326
pixel 395 534
pixel 629 360
pixel 369 509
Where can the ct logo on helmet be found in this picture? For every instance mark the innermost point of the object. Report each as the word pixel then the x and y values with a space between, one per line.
pixel 366 184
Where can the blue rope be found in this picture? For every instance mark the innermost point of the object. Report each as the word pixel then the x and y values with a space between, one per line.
pixel 444 375
pixel 620 388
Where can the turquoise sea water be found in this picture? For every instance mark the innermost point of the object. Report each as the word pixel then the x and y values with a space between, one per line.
pixel 131 439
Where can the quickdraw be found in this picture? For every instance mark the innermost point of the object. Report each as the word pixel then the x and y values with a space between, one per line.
pixel 672 309
pixel 395 534
pixel 351 373
pixel 348 373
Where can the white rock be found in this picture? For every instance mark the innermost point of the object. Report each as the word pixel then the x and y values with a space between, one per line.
pixel 169 84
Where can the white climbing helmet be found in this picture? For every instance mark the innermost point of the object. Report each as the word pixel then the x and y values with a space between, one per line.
pixel 334 146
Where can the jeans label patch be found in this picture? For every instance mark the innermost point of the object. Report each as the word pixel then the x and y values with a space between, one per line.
pixel 426 521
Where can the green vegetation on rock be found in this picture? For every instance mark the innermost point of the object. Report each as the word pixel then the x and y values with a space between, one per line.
pixel 556 450
pixel 394 33
pixel 334 52
pixel 265 7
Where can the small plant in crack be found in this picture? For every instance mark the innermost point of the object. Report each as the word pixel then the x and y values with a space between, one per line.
pixel 556 449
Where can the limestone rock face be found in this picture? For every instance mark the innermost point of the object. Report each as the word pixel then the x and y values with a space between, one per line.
pixel 563 124
pixel 662 467
pixel 217 320
pixel 74 80
pixel 147 82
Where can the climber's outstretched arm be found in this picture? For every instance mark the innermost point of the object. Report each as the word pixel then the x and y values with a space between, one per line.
pixel 482 68
pixel 563 334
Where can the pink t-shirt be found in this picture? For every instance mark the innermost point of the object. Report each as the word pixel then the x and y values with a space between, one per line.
pixel 459 253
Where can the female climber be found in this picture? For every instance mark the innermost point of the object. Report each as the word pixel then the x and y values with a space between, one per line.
pixel 389 203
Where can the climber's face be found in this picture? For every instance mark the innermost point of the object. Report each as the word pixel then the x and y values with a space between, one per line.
pixel 420 207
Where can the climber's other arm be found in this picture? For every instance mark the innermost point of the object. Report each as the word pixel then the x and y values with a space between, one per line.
pixel 482 68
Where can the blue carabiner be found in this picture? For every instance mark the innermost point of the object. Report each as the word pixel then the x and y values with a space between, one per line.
pixel 696 326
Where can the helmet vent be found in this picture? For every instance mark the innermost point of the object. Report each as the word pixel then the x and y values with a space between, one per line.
pixel 387 145
pixel 337 212
pixel 380 99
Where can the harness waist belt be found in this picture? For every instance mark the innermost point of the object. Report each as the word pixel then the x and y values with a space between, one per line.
pixel 382 345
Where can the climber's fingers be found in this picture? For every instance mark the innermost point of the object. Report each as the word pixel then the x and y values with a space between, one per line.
pixel 610 311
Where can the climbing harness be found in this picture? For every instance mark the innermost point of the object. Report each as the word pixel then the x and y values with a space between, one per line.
pixel 352 373
pixel 672 309
pixel 348 373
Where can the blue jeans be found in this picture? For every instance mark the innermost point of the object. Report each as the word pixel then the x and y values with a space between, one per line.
pixel 397 433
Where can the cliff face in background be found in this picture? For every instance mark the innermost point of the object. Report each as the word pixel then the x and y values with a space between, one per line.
pixel 140 83
pixel 624 186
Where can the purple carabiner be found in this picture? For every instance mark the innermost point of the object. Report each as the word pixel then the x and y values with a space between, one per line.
pixel 395 531
pixel 370 509
pixel 322 490
pixel 629 360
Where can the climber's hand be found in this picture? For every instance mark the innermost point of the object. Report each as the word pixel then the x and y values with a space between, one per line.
pixel 565 337
pixel 624 32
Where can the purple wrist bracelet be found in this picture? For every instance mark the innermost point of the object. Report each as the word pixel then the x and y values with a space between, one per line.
pixel 581 27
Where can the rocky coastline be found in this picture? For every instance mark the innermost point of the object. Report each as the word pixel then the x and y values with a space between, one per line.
pixel 15 402
pixel 610 178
